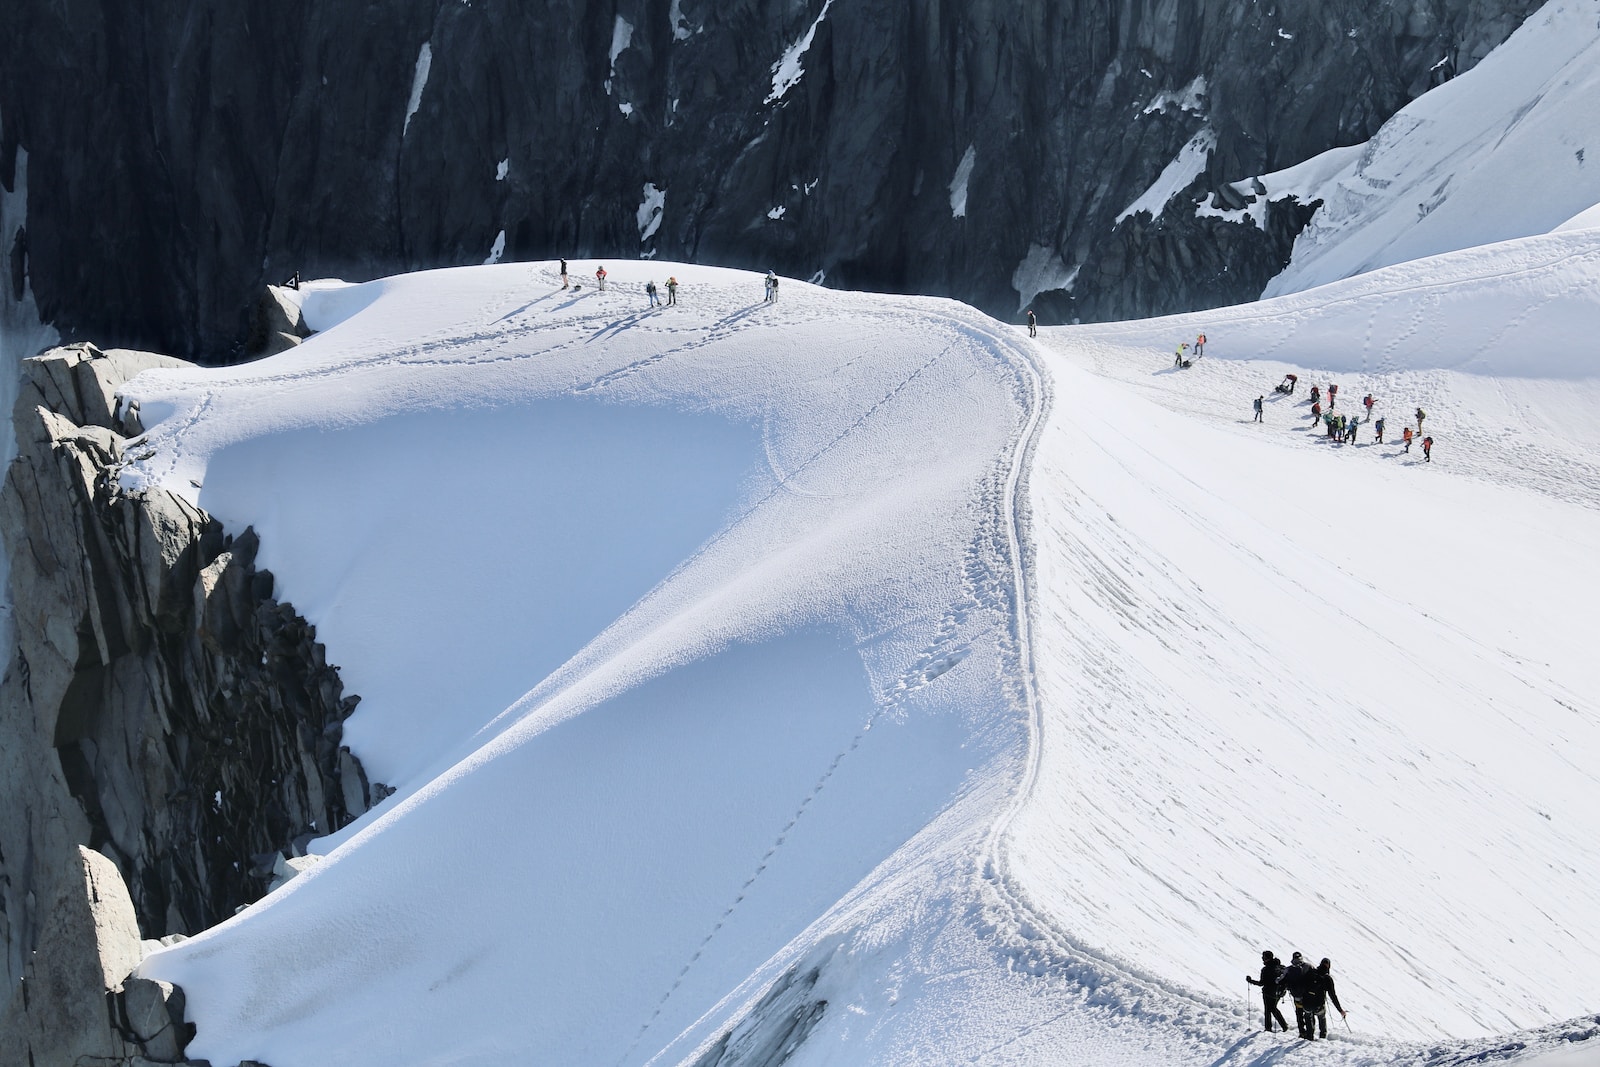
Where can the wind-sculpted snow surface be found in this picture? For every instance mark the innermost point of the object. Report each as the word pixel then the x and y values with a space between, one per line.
pixel 672 627
pixel 974 701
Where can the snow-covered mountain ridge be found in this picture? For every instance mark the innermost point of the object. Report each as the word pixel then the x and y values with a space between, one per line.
pixel 1021 692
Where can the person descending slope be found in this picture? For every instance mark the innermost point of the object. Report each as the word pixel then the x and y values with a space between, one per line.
pixel 600 279
pixel 1406 435
pixel 672 291
pixel 650 291
pixel 1378 428
pixel 1318 991
pixel 1333 394
pixel 563 274
pixel 1294 983
pixel 1258 401
pixel 1316 394
pixel 1367 402
pixel 1271 989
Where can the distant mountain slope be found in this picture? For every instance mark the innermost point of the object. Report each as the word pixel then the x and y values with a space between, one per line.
pixel 1507 150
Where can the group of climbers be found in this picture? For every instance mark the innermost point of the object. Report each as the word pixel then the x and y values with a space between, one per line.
pixel 1310 988
pixel 1343 428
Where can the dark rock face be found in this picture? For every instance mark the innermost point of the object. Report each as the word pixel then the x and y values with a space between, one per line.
pixel 183 154
pixel 772 1030
pixel 160 707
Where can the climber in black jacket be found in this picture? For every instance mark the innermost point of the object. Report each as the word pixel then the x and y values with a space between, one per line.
pixel 1294 983
pixel 1319 990
pixel 1271 984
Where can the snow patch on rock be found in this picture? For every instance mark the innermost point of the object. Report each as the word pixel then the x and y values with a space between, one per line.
pixel 786 72
pixel 651 210
pixel 1185 168
pixel 958 184
pixel 419 81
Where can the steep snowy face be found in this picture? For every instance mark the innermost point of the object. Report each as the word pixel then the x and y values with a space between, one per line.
pixel 1507 150
pixel 672 626
pixel 983 149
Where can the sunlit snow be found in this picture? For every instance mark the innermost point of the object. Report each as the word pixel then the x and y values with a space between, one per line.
pixel 862 634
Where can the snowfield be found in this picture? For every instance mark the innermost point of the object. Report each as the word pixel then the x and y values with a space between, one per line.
pixel 1007 696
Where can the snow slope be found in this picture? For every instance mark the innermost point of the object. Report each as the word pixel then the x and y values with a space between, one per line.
pixel 1328 697
pixel 1509 149
pixel 671 626
pixel 1019 692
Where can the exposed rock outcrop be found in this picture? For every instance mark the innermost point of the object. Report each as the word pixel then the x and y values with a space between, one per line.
pixel 277 325
pixel 774 1028
pixel 76 1002
pixel 915 147
pixel 160 709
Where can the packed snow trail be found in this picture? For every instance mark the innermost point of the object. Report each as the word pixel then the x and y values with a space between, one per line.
pixel 1305 695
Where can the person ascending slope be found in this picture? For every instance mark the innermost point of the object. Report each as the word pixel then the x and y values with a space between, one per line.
pixel 1420 416
pixel 1378 426
pixel 1294 983
pixel 1316 413
pixel 1318 991
pixel 600 279
pixel 1427 450
pixel 1407 435
pixel 1271 989
pixel 1257 406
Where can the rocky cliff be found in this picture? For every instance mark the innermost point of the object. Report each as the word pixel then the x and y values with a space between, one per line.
pixel 168 731
pixel 181 154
